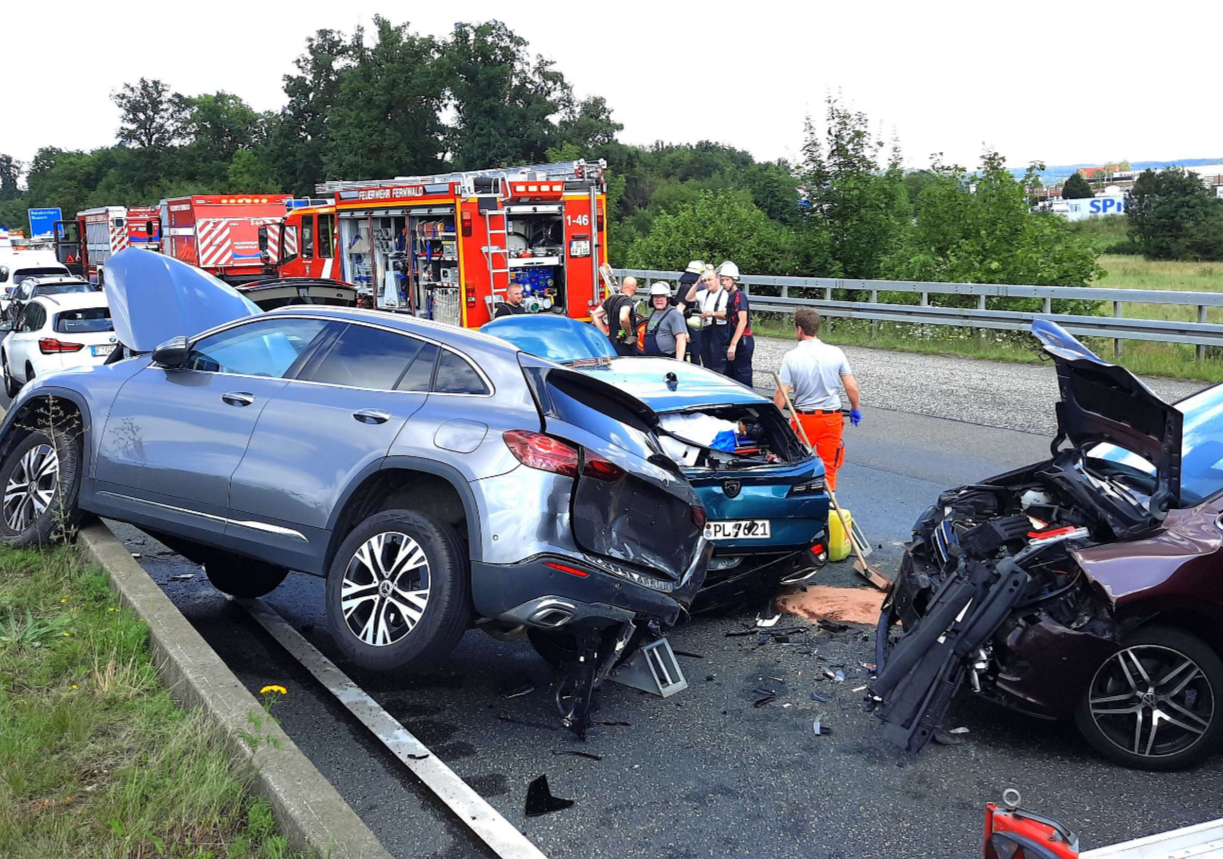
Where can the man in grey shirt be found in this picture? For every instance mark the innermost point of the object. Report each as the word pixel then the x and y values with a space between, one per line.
pixel 666 332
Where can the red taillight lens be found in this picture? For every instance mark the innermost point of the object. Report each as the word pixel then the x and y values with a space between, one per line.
pixel 536 450
pixel 467 224
pixel 51 346
pixel 600 469
pixel 600 220
pixel 573 571
pixel 698 516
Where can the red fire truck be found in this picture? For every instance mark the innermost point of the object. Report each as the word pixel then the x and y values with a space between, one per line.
pixel 86 243
pixel 220 232
pixel 446 247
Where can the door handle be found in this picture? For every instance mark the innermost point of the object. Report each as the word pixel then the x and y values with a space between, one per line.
pixel 238 398
pixel 371 416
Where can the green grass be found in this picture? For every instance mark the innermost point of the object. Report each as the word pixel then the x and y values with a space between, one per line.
pixel 96 759
pixel 1121 272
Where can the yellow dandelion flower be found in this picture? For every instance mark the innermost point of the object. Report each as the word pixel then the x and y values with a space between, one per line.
pixel 73 685
pixel 67 634
pixel 266 689
pixel 64 600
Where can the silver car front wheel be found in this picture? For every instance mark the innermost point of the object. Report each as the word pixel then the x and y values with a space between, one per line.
pixel 386 589
pixel 31 487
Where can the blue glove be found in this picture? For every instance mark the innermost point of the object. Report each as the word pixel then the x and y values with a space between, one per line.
pixel 855 416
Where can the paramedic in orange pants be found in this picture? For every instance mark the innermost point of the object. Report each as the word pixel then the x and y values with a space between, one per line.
pixel 813 373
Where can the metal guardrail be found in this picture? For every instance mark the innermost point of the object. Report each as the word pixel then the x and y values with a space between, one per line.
pixel 1117 327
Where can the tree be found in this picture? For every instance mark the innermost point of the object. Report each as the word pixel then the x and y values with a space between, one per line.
pixel 1173 216
pixel 150 115
pixel 860 203
pixel 1076 188
pixel 386 120
pixel 10 177
pixel 716 226
pixel 503 99
pixel 980 229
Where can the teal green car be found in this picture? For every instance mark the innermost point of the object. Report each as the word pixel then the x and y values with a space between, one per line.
pixel 763 492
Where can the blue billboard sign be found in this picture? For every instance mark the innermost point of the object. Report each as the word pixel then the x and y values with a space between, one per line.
pixel 42 221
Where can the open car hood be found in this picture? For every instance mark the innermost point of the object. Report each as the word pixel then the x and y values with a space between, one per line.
pixel 1101 402
pixel 153 297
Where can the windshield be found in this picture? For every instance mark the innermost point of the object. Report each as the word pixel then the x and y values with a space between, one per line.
pixel 62 288
pixel 1201 447
pixel 22 273
pixel 87 320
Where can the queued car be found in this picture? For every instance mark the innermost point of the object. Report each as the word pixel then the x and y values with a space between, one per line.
pixel 35 285
pixel 286 291
pixel 12 275
pixel 1088 586
pixel 56 331
pixel 438 478
pixel 763 491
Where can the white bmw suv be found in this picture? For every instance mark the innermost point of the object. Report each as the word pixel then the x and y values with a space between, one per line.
pixel 54 332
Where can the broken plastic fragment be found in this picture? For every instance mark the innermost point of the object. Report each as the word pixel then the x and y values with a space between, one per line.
pixel 540 799
pixel 831 626
pixel 577 754
pixel 820 698
pixel 520 691
pixel 182 577
pixel 839 677
pixel 960 730
pixel 686 653
pixel 859 688
pixel 946 738
pixel 760 702
pixel 820 730
pixel 769 621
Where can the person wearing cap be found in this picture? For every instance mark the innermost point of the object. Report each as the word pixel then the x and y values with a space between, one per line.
pixel 741 346
pixel 666 335
pixel 618 318
pixel 690 286
pixel 813 373
pixel 715 335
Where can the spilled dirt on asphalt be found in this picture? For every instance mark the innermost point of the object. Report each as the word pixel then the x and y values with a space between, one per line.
pixel 848 605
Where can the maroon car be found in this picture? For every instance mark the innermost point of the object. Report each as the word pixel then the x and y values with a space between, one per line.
pixel 1088 586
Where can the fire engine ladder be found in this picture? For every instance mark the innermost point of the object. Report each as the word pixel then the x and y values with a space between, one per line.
pixel 492 251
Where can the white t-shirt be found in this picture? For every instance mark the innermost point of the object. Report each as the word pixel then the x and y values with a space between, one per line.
pixel 813 372
pixel 712 302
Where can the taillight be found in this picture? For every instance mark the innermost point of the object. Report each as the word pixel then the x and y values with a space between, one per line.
pixel 600 469
pixel 698 516
pixel 599 220
pixel 467 224
pixel 51 346
pixel 564 568
pixel 536 450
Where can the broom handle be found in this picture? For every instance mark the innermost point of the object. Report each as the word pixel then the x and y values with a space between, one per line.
pixel 831 495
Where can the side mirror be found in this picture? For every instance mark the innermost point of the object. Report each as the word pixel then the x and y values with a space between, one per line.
pixel 173 353
pixel 3 274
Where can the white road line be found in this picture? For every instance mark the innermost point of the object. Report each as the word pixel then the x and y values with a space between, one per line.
pixel 484 820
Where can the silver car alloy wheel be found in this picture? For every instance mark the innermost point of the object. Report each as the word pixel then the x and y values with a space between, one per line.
pixel 31 487
pixel 386 589
pixel 1151 700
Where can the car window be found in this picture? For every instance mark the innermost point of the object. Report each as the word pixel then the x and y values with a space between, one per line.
pixel 455 376
pixel 419 375
pixel 87 320
pixel 62 289
pixel 24 273
pixel 268 347
pixel 35 316
pixel 364 357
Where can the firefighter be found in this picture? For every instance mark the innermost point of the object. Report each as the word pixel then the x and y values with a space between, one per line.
pixel 813 373
pixel 715 336
pixel 512 305
pixel 691 283
pixel 617 318
pixel 666 335
pixel 741 346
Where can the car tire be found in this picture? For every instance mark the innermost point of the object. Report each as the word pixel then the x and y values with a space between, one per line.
pixel 10 384
pixel 23 522
pixel 240 576
pixel 370 605
pixel 1104 714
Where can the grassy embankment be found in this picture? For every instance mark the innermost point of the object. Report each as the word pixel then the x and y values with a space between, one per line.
pixel 1121 272
pixel 96 759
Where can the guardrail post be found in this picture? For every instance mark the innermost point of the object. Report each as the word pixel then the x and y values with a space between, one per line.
pixel 1201 350
pixel 874 322
pixel 1048 306
pixel 1118 347
pixel 981 331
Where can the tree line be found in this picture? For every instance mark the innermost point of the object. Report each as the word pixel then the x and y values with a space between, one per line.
pixel 392 102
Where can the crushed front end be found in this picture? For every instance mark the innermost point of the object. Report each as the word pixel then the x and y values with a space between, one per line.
pixel 990 593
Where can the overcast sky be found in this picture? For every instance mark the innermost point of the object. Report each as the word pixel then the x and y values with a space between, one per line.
pixel 1064 82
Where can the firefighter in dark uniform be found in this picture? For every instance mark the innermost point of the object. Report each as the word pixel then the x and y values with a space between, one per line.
pixel 740 346
pixel 512 305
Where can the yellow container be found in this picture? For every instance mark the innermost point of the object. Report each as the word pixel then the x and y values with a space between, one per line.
pixel 839 547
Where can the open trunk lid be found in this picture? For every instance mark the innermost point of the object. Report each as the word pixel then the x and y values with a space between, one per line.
pixel 1101 402
pixel 647 514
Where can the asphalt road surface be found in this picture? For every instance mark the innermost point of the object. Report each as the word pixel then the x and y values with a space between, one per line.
pixel 706 773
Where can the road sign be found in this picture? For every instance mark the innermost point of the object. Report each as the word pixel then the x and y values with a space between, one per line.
pixel 42 221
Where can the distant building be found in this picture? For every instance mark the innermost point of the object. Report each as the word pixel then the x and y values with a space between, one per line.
pixel 1092 207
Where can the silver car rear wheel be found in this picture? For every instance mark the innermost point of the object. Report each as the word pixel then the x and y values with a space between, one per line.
pixel 385 590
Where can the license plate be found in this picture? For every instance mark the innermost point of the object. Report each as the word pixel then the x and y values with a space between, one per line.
pixel 738 529
pixel 100 351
